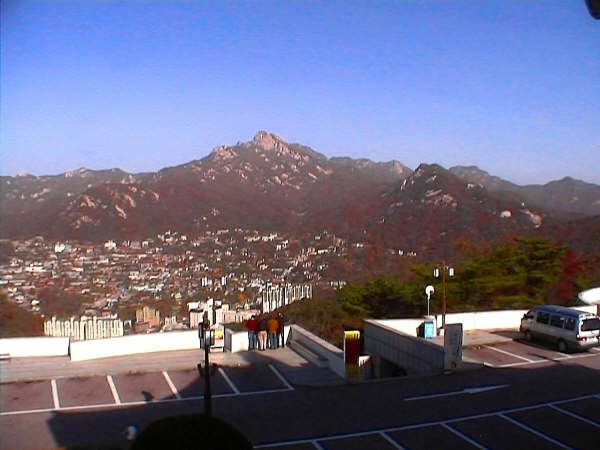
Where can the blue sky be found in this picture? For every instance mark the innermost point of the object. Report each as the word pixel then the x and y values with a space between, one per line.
pixel 510 86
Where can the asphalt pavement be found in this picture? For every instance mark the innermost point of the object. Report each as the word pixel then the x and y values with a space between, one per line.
pixel 518 403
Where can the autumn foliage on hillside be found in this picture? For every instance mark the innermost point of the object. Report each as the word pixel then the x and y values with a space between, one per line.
pixel 511 275
pixel 16 321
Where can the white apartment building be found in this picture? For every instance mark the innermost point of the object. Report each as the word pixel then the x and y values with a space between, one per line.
pixel 84 327
pixel 275 296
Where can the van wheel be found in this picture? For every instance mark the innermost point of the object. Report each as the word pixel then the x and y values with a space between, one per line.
pixel 528 336
pixel 561 346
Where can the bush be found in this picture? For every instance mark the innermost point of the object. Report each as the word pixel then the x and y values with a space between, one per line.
pixel 191 431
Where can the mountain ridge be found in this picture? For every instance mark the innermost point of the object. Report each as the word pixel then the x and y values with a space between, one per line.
pixel 267 183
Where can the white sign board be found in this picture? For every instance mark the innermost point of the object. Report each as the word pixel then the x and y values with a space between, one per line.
pixel 453 340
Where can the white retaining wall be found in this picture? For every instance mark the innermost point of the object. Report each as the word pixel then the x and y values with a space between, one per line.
pixel 137 343
pixel 479 320
pixel 235 341
pixel 35 346
pixel 334 356
pixel 415 355
pixel 408 326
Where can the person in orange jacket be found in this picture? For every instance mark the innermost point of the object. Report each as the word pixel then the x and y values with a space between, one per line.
pixel 272 327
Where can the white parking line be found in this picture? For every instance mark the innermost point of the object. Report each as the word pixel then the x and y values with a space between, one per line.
pixel 228 380
pixel 171 385
pixel 463 436
pixel 113 389
pixel 576 416
pixel 317 445
pixel 138 402
pixel 281 377
pixel 534 431
pixel 55 394
pixel 509 353
pixel 595 349
pixel 391 441
pixel 539 361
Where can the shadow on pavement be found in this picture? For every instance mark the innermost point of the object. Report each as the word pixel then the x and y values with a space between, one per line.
pixel 330 410
pixel 511 334
pixel 105 427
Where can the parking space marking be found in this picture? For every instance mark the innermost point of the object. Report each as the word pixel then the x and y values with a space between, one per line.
pixel 595 349
pixel 281 377
pixel 534 431
pixel 576 416
pixel 113 389
pixel 228 380
pixel 55 394
pixel 539 361
pixel 131 403
pixel 391 441
pixel 463 436
pixel 318 446
pixel 171 385
pixel 500 413
pixel 509 353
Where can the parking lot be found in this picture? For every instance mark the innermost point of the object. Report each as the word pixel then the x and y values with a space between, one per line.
pixel 527 394
pixel 519 353
pixel 136 388
pixel 527 427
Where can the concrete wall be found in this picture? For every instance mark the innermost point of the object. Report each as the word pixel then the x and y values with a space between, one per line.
pixel 485 320
pixel 414 355
pixel 237 341
pixel 334 355
pixel 137 343
pixel 35 346
pixel 479 320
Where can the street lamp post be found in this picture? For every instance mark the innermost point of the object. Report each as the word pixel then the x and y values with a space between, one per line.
pixel 207 339
pixel 436 273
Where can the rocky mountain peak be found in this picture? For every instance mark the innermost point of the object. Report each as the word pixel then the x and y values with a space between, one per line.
pixel 268 141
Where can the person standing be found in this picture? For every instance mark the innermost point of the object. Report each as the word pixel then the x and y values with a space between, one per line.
pixel 262 333
pixel 281 329
pixel 252 325
pixel 272 326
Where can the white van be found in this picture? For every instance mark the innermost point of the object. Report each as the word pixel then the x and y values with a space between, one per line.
pixel 568 329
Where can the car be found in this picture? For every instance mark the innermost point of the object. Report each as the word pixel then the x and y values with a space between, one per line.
pixel 567 328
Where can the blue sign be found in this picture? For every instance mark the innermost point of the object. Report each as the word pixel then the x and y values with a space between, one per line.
pixel 429 330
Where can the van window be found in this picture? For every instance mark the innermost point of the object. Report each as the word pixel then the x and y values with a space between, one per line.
pixel 557 321
pixel 570 324
pixel 590 324
pixel 542 317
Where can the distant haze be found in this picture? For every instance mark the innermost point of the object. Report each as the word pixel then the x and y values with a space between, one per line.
pixel 511 87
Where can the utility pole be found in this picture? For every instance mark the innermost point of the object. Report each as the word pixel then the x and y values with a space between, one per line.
pixel 436 273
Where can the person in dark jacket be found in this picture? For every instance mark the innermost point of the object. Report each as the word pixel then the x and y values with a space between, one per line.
pixel 281 329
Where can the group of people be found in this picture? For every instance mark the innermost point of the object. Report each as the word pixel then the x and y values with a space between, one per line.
pixel 266 332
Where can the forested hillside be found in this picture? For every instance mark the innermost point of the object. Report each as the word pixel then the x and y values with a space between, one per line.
pixel 512 275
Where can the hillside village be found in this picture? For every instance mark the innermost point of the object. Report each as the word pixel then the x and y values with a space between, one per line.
pixel 233 273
